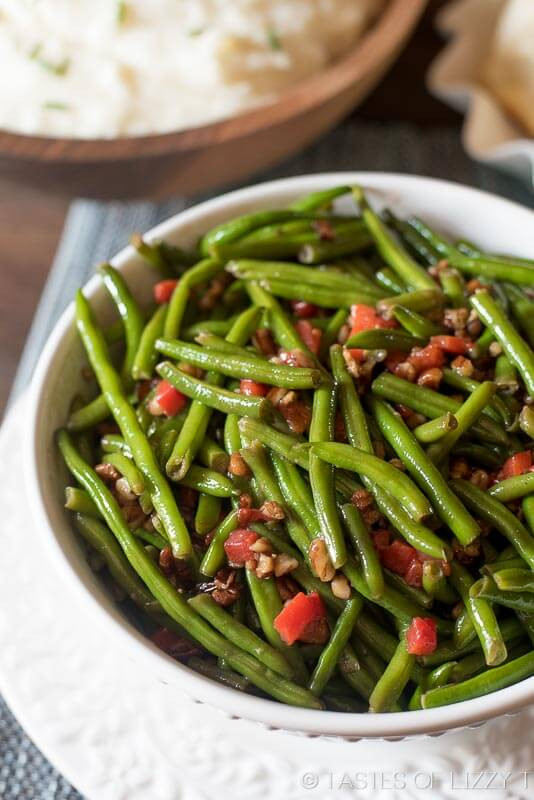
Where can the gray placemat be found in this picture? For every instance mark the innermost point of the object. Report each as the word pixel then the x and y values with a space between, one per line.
pixel 95 231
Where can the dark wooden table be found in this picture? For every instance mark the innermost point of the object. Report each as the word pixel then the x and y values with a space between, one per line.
pixel 31 221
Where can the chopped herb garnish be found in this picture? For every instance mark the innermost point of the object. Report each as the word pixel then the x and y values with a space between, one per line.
pixel 55 105
pixel 273 39
pixel 58 67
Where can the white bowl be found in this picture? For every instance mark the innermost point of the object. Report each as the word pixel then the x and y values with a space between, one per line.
pixel 490 221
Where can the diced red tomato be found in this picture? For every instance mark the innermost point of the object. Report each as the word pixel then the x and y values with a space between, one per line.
pixel 163 290
pixel 450 344
pixel 246 386
pixel 422 636
pixel 237 546
pixel 297 615
pixel 398 556
pixel 310 336
pixel 517 464
pixel 364 318
pixel 357 353
pixel 414 574
pixel 427 358
pixel 303 310
pixel 381 539
pixel 169 399
pixel 393 360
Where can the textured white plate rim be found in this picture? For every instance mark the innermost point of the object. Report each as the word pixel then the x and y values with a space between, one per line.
pixel 466 95
pixel 266 712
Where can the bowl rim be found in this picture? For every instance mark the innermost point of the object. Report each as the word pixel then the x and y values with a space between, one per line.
pixel 382 39
pixel 270 713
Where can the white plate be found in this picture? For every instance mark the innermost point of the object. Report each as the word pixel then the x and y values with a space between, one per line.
pixel 118 734
pixel 489 133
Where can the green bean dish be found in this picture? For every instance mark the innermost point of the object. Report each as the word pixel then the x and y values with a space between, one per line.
pixel 307 470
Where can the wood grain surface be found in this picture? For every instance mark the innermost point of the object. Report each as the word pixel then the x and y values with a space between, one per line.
pixel 31 220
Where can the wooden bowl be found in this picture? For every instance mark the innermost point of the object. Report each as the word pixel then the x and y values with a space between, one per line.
pixel 198 159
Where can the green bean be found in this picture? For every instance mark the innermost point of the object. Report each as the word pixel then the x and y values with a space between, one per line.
pixel 481 685
pixel 496 566
pixel 353 673
pixel 88 416
pixel 331 332
pixel 214 396
pixel 77 499
pixel 195 427
pixel 393 681
pixel 203 271
pixel 146 355
pixel 435 583
pixel 479 453
pixel 517 350
pixel 211 455
pixel 488 508
pixel 506 376
pixel 497 408
pixel 425 473
pixel 317 201
pixel 440 676
pixel 217 327
pixel 256 458
pixel 170 600
pixel 390 249
pixel 432 404
pixel 296 493
pixel 384 339
pixel 481 615
pixel 351 407
pixel 213 342
pixel 364 549
pixel 319 295
pixel 214 556
pixel 514 580
pixel 526 421
pixel 448 651
pixel 235 229
pixel 221 674
pixel 235 366
pixel 414 593
pixel 522 308
pixel 487 589
pixel 128 470
pixel 468 412
pixel 102 541
pixel 435 429
pixel 492 268
pixel 268 605
pixel 162 255
pixel 283 330
pixel 160 492
pixel 150 537
pixel 322 476
pixel 401 607
pixel 513 488
pixel 240 635
pixel 453 286
pixel 472 664
pixel 338 640
pixel 208 481
pixel 130 314
pixel 377 470
pixel 343 703
pixel 415 324
pixel 419 300
pixel 387 279
pixel 421 248
pixel 281 443
pixel 346 243
pixel 279 270
pixel 114 443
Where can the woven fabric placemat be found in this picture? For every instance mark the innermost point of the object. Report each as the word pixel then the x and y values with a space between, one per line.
pixel 94 231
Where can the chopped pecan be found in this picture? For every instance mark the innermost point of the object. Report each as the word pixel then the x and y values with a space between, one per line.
pixel 107 472
pixel 431 378
pixel 237 465
pixel 340 587
pixel 264 342
pixel 283 563
pixel 320 560
pixel 226 588
pixel 264 566
pixel 316 632
pixel 325 229
pixel 287 587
